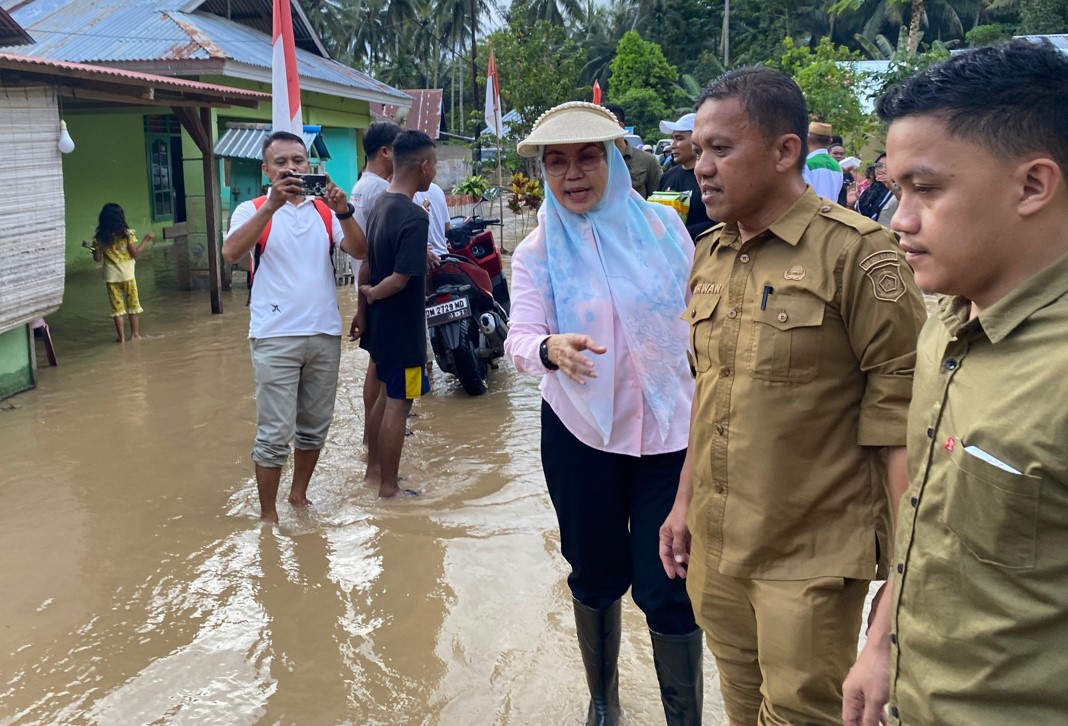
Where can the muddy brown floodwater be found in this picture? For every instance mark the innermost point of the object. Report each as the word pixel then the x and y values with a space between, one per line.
pixel 140 588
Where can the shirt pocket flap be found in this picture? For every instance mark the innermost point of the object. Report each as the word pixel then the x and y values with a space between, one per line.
pixel 700 309
pixel 786 312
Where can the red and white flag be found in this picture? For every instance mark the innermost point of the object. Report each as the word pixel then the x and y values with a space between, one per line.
pixel 285 84
pixel 494 124
pixel 596 92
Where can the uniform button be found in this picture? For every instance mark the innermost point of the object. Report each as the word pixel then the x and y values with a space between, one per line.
pixel 894 712
pixel 783 317
pixel 930 433
pixel 732 313
pixel 719 429
pixel 914 501
pixel 743 258
pixel 725 372
pixel 900 568
pixel 893 638
pixel 824 209
pixel 950 364
pixel 693 313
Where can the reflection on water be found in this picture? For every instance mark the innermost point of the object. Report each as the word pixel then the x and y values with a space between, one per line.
pixel 140 587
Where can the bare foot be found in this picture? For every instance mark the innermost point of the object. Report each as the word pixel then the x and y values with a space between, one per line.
pixel 135 337
pixel 120 340
pixel 385 492
pixel 272 518
pixel 299 500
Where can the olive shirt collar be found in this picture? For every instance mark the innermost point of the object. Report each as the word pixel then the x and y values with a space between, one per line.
pixel 1000 319
pixel 790 227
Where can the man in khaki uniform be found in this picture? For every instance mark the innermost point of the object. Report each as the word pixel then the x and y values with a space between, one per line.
pixel 643 167
pixel 977 629
pixel 804 320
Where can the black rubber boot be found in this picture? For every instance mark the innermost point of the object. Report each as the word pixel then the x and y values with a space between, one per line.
pixel 678 660
pixel 598 636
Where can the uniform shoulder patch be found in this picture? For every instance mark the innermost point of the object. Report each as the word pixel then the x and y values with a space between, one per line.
pixel 849 218
pixel 884 272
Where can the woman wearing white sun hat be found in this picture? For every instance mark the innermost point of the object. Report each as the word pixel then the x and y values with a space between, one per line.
pixel 604 276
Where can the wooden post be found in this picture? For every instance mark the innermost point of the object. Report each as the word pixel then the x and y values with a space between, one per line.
pixel 211 193
pixel 199 128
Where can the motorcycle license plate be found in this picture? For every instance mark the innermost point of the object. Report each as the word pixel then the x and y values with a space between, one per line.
pixel 448 311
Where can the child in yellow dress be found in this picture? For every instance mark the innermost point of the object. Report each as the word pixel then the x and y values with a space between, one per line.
pixel 116 245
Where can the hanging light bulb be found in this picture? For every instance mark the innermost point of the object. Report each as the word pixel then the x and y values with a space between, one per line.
pixel 66 143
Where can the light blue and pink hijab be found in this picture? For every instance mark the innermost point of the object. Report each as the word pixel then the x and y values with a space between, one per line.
pixel 628 258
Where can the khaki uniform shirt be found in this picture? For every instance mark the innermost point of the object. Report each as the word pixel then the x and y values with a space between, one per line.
pixel 797 390
pixel 644 171
pixel 979 629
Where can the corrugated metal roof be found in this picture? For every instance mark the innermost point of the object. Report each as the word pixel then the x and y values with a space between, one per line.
pixel 11 33
pixel 44 65
pixel 424 115
pixel 245 141
pixel 1058 41
pixel 130 31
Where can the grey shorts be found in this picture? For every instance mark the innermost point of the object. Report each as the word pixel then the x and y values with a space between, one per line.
pixel 296 382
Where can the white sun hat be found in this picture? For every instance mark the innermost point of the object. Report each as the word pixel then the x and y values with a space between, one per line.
pixel 574 122
pixel 685 123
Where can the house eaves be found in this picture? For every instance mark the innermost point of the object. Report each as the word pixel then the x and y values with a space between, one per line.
pixel 157 36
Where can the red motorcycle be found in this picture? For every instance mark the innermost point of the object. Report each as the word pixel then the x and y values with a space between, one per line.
pixel 467 303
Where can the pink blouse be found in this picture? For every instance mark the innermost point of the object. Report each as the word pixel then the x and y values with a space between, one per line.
pixel 634 428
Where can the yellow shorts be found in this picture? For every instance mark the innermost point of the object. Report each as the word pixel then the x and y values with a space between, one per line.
pixel 783 647
pixel 404 383
pixel 123 298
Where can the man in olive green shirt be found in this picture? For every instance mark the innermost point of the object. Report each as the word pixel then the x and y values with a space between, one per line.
pixel 643 167
pixel 804 320
pixel 976 631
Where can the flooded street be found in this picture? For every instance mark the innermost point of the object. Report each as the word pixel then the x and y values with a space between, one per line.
pixel 140 587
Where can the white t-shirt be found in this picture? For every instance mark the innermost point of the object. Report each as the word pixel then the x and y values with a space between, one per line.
pixel 823 174
pixel 433 201
pixel 294 291
pixel 365 193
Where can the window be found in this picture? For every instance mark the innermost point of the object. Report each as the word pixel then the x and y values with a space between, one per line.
pixel 163 141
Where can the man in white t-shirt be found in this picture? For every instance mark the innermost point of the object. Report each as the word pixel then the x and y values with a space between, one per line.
pixel 295 325
pixel 433 201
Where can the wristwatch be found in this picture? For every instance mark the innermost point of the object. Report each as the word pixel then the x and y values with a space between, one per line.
pixel 348 214
pixel 543 351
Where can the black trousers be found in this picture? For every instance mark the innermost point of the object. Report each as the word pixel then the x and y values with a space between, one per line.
pixel 610 508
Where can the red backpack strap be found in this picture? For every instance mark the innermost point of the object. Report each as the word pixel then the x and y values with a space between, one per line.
pixel 328 219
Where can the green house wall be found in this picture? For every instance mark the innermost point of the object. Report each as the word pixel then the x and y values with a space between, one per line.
pixel 108 164
pixel 16 361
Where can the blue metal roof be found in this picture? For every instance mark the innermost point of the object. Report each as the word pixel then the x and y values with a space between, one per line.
pixel 131 31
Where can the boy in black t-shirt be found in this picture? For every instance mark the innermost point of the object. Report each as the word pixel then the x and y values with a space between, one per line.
pixel 396 319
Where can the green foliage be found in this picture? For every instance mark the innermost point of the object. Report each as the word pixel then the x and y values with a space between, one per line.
pixel 644 111
pixel 1043 16
pixel 640 64
pixel 903 66
pixel 982 35
pixel 472 186
pixel 539 67
pixel 831 88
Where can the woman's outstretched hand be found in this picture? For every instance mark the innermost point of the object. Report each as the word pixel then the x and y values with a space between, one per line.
pixel 565 350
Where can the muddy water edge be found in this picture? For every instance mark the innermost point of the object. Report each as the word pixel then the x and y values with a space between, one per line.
pixel 140 588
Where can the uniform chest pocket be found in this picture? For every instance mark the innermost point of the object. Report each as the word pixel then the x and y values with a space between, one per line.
pixel 700 314
pixel 785 340
pixel 993 512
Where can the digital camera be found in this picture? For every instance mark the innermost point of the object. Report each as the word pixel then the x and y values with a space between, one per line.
pixel 314 184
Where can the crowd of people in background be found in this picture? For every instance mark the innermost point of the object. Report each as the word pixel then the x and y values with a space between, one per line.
pixel 747 415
